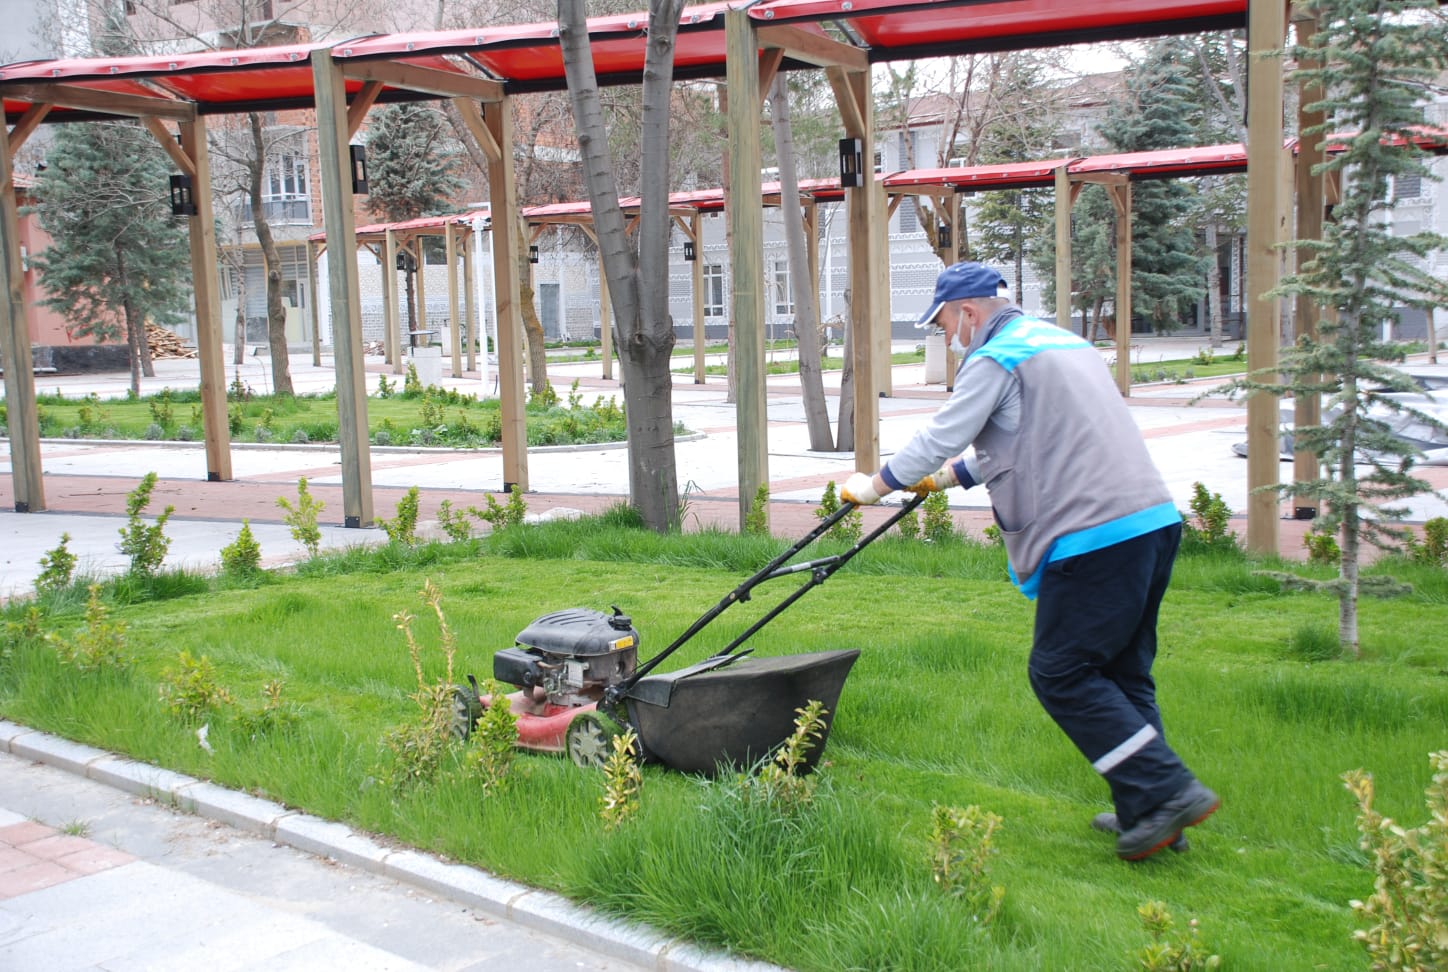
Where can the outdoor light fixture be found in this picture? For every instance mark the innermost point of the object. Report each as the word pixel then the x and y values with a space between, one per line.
pixel 405 262
pixel 182 202
pixel 942 236
pixel 359 169
pixel 689 253
pixel 533 253
pixel 852 162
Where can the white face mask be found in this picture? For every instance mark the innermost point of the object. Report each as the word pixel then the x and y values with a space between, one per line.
pixel 956 347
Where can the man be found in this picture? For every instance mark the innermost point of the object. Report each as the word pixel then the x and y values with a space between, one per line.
pixel 1089 528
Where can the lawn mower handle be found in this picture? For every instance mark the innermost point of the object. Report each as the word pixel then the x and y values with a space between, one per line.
pixel 820 569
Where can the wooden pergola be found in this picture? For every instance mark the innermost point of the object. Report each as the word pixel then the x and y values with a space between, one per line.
pixel 479 69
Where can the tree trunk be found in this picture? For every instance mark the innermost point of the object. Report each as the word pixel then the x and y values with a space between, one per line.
pixel 533 336
pixel 276 313
pixel 238 353
pixel 1214 285
pixel 1347 594
pixel 805 294
pixel 638 280
pixel 845 435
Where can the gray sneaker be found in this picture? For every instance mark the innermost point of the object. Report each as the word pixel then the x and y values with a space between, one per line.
pixel 1158 828
pixel 1108 823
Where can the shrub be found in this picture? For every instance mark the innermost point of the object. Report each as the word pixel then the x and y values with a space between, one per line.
pixel 411 384
pixel 939 525
pixel 850 527
pixel 403 527
pixel 1433 548
pixel 275 717
pixel 1408 908
pixel 190 690
pixel 1207 526
pixel 1168 952
pixel 756 521
pixel 961 845
pixel 1321 547
pixel 418 747
pixel 494 741
pixel 457 525
pixel 100 645
pixel 57 568
pixel 385 388
pixel 499 515
pixel 909 525
pixel 242 555
pixel 622 780
pixel 145 544
pixel 302 517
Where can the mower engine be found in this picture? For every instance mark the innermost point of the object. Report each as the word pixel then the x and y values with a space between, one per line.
pixel 568 658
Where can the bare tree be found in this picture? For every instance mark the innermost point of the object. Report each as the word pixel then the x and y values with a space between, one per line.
pixel 637 268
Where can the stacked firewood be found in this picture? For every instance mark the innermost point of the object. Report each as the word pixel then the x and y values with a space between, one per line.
pixel 166 344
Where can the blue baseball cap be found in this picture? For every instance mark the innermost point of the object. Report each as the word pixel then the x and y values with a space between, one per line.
pixel 968 279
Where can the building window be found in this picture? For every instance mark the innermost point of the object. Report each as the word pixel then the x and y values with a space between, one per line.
pixel 1409 185
pixel 783 299
pixel 713 290
pixel 909 215
pixel 286 196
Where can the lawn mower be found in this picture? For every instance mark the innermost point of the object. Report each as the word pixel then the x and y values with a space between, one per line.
pixel 580 685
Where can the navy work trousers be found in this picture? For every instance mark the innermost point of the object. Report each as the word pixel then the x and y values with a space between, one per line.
pixel 1090 665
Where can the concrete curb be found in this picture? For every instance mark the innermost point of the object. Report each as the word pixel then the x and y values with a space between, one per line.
pixel 474 888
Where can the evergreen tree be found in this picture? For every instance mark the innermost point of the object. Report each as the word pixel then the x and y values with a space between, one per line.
pixel 412 162
pixel 117 256
pixel 1160 109
pixel 1378 58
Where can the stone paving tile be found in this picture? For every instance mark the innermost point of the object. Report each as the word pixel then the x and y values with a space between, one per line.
pixel 37 876
pixel 34 856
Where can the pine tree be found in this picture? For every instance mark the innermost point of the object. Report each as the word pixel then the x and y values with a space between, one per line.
pixel 1377 59
pixel 117 258
pixel 412 162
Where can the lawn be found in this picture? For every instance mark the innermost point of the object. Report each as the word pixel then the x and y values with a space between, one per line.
pixel 426 417
pixel 937 711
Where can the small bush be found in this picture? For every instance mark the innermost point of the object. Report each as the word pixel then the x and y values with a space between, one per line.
pixel 622 780
pixel 403 527
pixel 850 527
pixel 456 524
pixel 385 388
pixel 961 845
pixel 909 525
pixel 302 517
pixel 146 544
pixel 499 515
pixel 939 525
pixel 411 384
pixel 100 645
pixel 781 781
pixel 1321 547
pixel 494 741
pixel 1171 951
pixel 190 690
pixel 242 555
pixel 57 568
pixel 1433 548
pixel 1207 526
pixel 418 747
pixel 1408 908
pixel 275 717
pixel 756 521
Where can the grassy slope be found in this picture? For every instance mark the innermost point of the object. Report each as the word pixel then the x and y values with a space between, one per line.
pixel 937 710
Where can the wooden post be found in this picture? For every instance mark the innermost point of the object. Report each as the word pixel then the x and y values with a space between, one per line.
pixel 1121 200
pixel 746 254
pixel 391 339
pixel 1064 200
pixel 315 315
pixel 503 195
pixel 950 211
pixel 470 303
pixel 1311 196
pixel 201 230
pixel 696 229
pixel 454 316
pixel 22 416
pixel 419 280
pixel 1266 30
pixel 336 169
pixel 880 298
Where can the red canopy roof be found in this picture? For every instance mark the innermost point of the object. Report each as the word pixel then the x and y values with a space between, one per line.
pixel 527 56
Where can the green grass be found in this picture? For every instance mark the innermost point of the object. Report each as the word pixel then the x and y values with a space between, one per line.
pixel 435 417
pixel 937 710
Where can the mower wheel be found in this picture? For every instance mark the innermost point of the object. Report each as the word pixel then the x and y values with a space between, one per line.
pixel 466 708
pixel 589 739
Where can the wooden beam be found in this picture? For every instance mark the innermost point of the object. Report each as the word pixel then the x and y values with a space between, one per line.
pixel 346 301
pixel 470 302
pixel 746 253
pixel 201 231
pixel 23 418
pixel 443 84
pixel 849 108
pixel 26 126
pixel 696 281
pixel 171 146
pixel 816 49
pixel 473 119
pixel 391 340
pixel 769 61
pixel 105 102
pixel 312 302
pixel 362 102
pixel 1266 31
pixel 455 320
pixel 1101 178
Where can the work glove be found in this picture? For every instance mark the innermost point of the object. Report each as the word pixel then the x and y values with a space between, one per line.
pixel 860 490
pixel 942 479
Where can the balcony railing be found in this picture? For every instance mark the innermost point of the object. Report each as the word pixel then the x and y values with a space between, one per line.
pixel 279 211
